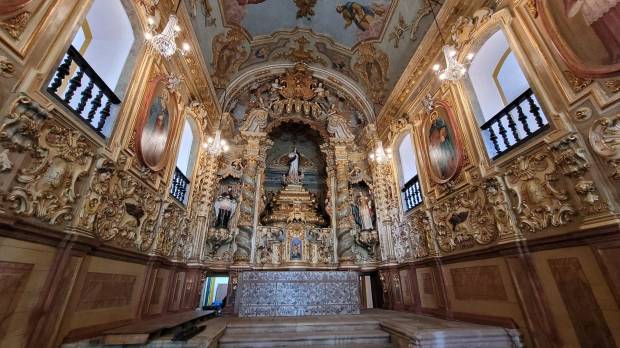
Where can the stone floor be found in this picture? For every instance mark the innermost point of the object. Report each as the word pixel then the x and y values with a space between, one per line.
pixel 370 329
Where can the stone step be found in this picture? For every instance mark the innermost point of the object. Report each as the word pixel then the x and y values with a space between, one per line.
pixel 242 328
pixel 371 338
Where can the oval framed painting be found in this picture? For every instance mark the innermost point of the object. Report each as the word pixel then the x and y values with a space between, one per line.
pixel 156 124
pixel 442 144
pixel 586 33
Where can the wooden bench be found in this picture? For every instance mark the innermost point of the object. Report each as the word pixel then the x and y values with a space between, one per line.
pixel 144 330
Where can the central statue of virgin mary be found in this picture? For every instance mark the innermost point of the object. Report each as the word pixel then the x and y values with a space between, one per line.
pixel 293 165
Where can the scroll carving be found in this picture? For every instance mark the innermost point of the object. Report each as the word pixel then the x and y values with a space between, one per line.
pixel 605 140
pixel 539 203
pixel 464 220
pixel 47 188
pixel 118 208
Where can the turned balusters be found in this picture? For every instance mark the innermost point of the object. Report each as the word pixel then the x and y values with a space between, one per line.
pixel 497 122
pixel 85 75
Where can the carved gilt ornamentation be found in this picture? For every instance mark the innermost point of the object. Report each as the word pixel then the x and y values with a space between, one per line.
pixel 605 140
pixel 572 162
pixel 539 204
pixel 46 188
pixel 7 68
pixel 577 83
pixel 15 25
pixel 464 220
pixel 174 223
pixel 118 208
pixel 422 233
pixel 463 30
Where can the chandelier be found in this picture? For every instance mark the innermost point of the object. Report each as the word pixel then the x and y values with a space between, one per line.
pixel 164 43
pixel 454 69
pixel 380 155
pixel 216 145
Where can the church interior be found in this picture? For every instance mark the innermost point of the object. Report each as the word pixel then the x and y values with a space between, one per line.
pixel 316 173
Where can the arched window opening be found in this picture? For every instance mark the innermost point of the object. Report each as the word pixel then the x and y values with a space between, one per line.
pixel 188 148
pixel 92 75
pixel 509 113
pixel 408 173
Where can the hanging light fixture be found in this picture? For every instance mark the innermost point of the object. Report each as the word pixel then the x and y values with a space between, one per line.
pixel 165 43
pixel 216 145
pixel 454 69
pixel 380 155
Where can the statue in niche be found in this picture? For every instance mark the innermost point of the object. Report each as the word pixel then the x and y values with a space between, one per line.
pixel 337 125
pixel 321 95
pixel 363 213
pixel 225 206
pixel 256 120
pixel 293 166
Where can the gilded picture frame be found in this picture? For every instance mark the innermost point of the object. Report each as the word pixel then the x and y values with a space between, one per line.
pixel 442 144
pixel 156 124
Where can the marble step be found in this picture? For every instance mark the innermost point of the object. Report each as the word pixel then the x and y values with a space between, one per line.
pixel 242 328
pixel 371 338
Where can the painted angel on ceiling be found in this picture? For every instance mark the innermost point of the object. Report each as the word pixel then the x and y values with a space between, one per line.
pixel 361 15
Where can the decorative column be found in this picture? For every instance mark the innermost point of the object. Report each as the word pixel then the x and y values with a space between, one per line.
pixel 202 201
pixel 248 194
pixel 260 182
pixel 344 218
pixel 387 216
pixel 331 193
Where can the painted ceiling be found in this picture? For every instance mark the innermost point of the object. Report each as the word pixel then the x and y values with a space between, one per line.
pixel 367 42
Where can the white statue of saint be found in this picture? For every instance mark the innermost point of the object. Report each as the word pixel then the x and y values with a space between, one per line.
pixel 293 164
pixel 365 207
pixel 337 125
pixel 256 119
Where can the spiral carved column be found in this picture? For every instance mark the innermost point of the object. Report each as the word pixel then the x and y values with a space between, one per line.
pixel 344 217
pixel 384 201
pixel 248 193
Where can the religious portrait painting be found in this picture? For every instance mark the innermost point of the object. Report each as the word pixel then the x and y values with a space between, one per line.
pixel 443 147
pixel 586 34
pixel 296 250
pixel 156 124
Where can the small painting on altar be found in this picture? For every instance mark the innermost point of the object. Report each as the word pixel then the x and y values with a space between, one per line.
pixel 296 249
pixel 586 33
pixel 443 148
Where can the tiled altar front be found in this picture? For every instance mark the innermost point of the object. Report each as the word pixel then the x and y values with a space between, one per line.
pixel 297 293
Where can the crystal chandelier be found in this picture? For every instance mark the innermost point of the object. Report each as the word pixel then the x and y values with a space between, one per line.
pixel 216 145
pixel 380 155
pixel 454 69
pixel 165 42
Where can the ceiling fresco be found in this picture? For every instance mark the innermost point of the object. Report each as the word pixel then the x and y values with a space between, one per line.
pixel 366 42
pixel 347 23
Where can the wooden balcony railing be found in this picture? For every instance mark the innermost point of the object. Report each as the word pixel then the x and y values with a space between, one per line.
pixel 412 193
pixel 512 126
pixel 180 185
pixel 96 98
